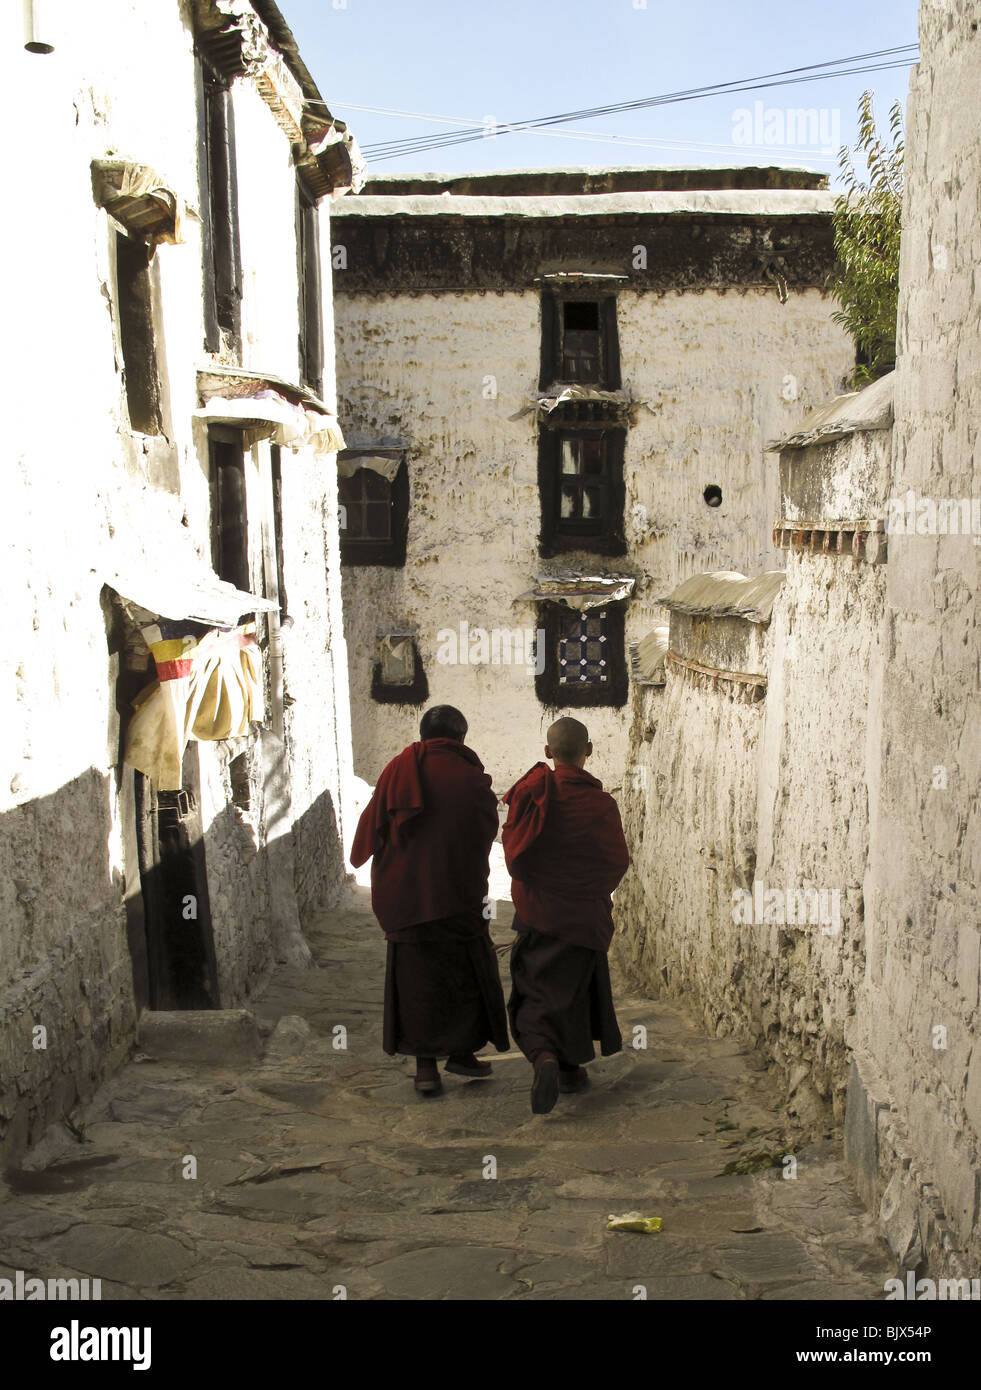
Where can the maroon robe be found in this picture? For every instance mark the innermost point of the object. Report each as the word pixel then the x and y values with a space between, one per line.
pixel 564 845
pixel 428 830
pixel 565 848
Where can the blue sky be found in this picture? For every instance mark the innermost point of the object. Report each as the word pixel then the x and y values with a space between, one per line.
pixel 517 59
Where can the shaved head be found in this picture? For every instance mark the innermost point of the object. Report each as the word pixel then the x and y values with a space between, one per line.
pixel 568 741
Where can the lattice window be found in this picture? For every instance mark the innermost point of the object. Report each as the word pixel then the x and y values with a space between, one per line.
pixel 583 649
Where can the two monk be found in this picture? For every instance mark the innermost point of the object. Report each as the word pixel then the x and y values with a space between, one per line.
pixel 565 848
pixel 429 828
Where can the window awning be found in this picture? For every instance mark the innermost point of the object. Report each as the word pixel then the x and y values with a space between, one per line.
pixel 727 594
pixel 169 579
pixel 580 592
pixel 266 407
pixel 387 462
pixel 139 198
pixel 544 402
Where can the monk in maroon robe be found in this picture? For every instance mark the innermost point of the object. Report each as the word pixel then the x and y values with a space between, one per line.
pixel 565 849
pixel 428 830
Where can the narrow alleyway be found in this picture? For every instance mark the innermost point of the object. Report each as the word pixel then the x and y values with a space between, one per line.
pixel 319 1168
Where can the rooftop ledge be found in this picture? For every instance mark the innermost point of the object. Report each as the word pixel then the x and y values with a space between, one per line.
pixel 724 202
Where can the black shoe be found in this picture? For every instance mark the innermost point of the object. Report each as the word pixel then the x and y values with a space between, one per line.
pixel 468 1066
pixel 545 1086
pixel 573 1079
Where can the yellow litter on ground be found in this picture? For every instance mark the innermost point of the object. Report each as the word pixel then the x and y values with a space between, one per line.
pixel 633 1221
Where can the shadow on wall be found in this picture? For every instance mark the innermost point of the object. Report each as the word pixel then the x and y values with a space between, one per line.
pixel 83 950
pixel 67 1008
pixel 319 862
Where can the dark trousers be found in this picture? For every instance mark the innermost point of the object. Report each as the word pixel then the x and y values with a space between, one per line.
pixel 443 994
pixel 561 999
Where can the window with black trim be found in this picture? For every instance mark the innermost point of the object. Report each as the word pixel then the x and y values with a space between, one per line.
pixel 135 293
pixel 374 511
pixel 218 178
pixel 229 516
pixel 580 484
pixel 311 339
pixel 580 344
pixel 276 461
pixel 585 659
pixel 398 677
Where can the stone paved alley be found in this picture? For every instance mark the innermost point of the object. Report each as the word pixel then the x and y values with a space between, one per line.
pixel 319 1167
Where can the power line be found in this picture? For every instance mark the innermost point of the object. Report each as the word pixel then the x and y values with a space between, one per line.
pixel 732 86
pixel 596 136
pixel 815 72
pixel 398 148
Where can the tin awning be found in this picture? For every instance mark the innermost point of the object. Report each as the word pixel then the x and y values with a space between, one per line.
pixel 139 198
pixel 727 594
pixel 266 407
pixel 580 591
pixel 381 460
pixel 544 402
pixel 165 576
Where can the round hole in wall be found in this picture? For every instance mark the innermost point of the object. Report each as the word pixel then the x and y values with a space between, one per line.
pixel 713 495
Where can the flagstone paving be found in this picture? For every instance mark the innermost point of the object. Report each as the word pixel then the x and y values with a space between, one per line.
pixel 321 1174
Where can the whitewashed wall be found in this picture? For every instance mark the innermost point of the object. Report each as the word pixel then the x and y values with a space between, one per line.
pixel 923 1100
pixel 714 370
pixel 76 478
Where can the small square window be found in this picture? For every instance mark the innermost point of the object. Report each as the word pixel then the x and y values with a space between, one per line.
pixel 398 661
pixel 398 677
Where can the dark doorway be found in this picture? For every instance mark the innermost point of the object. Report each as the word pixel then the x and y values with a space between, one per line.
pixel 180 951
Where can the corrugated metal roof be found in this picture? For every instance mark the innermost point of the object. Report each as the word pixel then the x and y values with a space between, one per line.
pixel 868 409
pixel 727 593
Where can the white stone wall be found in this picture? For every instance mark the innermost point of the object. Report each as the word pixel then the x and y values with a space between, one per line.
pixel 869 756
pixel 765 798
pixel 924 901
pixel 689 812
pixel 813 829
pixel 77 478
pixel 714 371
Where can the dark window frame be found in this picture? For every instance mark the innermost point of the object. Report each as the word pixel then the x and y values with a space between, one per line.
pixel 218 186
pixel 229 506
pixel 583 695
pixel 415 694
pixel 361 551
pixel 553 353
pixel 135 296
pixel 276 468
pixel 310 284
pixel 560 535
